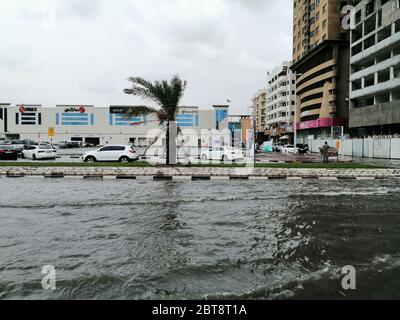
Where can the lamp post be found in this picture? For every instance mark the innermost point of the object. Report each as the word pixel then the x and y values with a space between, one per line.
pixel 295 112
pixel 254 139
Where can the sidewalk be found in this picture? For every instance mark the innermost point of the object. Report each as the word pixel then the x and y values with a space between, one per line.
pixel 289 158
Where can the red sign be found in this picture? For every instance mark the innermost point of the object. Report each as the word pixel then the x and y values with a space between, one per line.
pixel 22 109
pixel 82 109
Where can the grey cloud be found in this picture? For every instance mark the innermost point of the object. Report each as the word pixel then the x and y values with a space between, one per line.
pixel 222 47
pixel 79 8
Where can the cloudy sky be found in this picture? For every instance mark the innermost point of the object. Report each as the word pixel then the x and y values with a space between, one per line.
pixel 82 51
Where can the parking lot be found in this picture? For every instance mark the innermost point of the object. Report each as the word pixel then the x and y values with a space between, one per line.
pixel 74 155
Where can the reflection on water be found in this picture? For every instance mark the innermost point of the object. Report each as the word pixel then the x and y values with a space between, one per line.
pixel 163 240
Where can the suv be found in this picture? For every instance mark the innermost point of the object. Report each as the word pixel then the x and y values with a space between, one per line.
pixel 112 153
pixel 20 145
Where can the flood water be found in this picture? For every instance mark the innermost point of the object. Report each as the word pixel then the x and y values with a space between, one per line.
pixel 199 240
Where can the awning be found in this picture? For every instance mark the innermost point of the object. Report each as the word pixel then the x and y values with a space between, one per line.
pixel 284 138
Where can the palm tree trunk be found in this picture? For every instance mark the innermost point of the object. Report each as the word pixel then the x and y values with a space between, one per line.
pixel 167 143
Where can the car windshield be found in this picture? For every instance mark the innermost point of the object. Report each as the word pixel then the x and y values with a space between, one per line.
pixel 6 148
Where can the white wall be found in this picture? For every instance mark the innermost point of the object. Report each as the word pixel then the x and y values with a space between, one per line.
pixel 358 147
pixel 367 148
pixel 395 148
pixel 382 148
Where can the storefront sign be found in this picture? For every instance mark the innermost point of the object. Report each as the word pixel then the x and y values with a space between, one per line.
pixel 119 110
pixel 73 109
pixel 23 109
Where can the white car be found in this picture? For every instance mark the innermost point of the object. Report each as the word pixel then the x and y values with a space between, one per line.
pixel 222 154
pixel 39 152
pixel 289 149
pixel 111 153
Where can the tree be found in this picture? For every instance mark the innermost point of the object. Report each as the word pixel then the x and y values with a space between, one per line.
pixel 166 94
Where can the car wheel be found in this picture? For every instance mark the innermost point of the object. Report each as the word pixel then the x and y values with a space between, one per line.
pixel 124 159
pixel 204 157
pixel 90 159
pixel 22 156
pixel 33 157
pixel 224 158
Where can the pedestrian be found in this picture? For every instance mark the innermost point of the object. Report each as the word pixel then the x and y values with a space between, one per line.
pixel 325 152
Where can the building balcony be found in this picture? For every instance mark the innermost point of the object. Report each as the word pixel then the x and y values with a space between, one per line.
pixel 310 113
pixel 281 89
pixel 377 88
pixel 326 76
pixel 388 42
pixel 376 68
pixel 278 120
pixel 324 65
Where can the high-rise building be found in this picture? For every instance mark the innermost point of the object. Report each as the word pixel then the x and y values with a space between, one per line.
pixel 321 62
pixel 281 101
pixel 259 112
pixel 375 68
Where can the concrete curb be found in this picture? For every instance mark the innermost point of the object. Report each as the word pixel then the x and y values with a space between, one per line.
pixel 211 178
pixel 199 174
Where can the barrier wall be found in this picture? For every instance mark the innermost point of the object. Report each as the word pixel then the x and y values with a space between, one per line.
pixel 358 147
pixel 395 148
pixel 367 148
pixel 382 148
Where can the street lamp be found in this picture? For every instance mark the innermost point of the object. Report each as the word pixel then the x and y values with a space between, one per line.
pixel 295 113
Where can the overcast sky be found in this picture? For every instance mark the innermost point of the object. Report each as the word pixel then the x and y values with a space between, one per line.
pixel 82 51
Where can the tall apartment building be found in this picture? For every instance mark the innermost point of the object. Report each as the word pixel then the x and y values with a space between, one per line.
pixel 375 68
pixel 281 101
pixel 259 112
pixel 321 62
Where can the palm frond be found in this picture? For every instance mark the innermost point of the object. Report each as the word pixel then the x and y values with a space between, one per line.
pixel 167 94
pixel 139 111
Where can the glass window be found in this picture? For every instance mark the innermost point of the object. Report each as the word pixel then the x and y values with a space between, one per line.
pixel 107 149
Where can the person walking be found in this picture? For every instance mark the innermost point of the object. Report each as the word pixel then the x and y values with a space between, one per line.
pixel 325 152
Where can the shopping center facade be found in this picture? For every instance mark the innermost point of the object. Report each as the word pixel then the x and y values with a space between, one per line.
pixel 109 125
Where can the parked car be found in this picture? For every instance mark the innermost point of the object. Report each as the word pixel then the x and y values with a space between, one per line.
pixel 75 144
pixel 62 144
pixel 8 153
pixel 276 147
pixel 18 145
pixel 112 153
pixel 223 154
pixel 302 148
pixel 23 144
pixel 39 152
pixel 289 149
pixel 69 144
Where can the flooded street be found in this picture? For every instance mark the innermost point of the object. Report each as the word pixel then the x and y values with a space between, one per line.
pixel 198 240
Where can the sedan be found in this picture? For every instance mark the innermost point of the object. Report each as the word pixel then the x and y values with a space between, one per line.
pixel 8 153
pixel 39 152
pixel 222 154
pixel 289 149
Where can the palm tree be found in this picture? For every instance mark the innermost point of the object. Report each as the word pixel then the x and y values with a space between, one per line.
pixel 166 95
